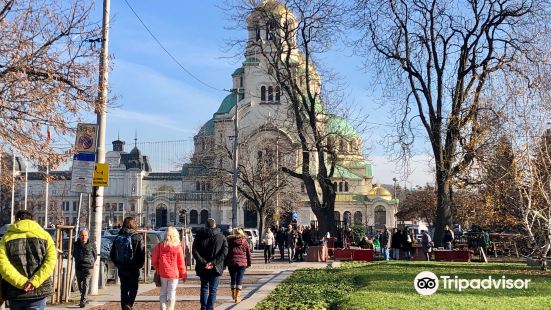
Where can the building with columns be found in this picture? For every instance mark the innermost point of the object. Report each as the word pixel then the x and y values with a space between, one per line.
pixel 157 198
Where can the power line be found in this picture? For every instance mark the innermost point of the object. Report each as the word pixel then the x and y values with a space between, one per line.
pixel 166 50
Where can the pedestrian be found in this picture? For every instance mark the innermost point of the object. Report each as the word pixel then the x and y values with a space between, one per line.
pixel 395 244
pixel 280 240
pixel 128 255
pixel 238 259
pixel 299 250
pixel 291 239
pixel 426 243
pixel 448 237
pixel 268 240
pixel 27 262
pixel 384 240
pixel 274 245
pixel 407 244
pixel 169 263
pixel 85 254
pixel 209 249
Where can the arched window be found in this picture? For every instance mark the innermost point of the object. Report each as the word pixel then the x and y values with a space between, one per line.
pixel 341 145
pixel 259 157
pixel 340 186
pixel 337 215
pixel 380 216
pixel 257 33
pixel 197 186
pixel 270 93
pixel 204 216
pixel 203 186
pixel 277 94
pixel 209 186
pixel 193 217
pixel 358 218
pixel 263 93
pixel 347 217
pixel 302 188
pixel 335 186
pixel 346 186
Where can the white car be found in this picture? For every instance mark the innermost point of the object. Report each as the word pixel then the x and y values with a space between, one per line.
pixel 253 237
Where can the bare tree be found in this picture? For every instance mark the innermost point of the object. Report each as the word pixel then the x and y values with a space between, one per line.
pixel 290 36
pixel 440 57
pixel 47 75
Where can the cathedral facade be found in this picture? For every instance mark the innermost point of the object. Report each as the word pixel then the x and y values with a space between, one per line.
pixel 158 198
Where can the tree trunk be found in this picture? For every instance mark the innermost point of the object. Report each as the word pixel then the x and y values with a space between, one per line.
pixel 443 214
pixel 260 225
pixel 326 219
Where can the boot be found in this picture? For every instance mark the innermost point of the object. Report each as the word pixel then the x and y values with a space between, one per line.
pixel 233 291
pixel 171 304
pixel 237 295
pixel 163 305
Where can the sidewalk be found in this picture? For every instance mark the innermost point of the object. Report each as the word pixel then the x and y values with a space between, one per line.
pixel 260 279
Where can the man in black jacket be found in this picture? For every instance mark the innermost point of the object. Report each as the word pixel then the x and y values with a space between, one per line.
pixel 128 254
pixel 84 253
pixel 210 248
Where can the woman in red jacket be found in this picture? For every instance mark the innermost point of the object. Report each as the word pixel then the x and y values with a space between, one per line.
pixel 238 259
pixel 168 260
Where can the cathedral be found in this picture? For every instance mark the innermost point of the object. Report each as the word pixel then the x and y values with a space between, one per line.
pixel 158 198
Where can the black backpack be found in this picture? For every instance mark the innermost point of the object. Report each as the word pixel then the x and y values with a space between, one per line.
pixel 124 252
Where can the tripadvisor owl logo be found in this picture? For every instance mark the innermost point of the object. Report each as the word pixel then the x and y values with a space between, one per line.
pixel 426 283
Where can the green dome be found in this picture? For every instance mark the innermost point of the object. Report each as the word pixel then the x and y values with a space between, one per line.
pixel 207 128
pixel 238 71
pixel 227 104
pixel 340 126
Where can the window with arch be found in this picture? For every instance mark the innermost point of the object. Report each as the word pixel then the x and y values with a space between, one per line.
pixel 380 216
pixel 259 156
pixel 347 217
pixel 346 186
pixel 257 33
pixel 337 215
pixel 204 216
pixel 340 186
pixel 270 93
pixel 197 186
pixel 335 186
pixel 358 218
pixel 241 81
pixel 193 216
pixel 263 93
pixel 203 186
pixel 277 94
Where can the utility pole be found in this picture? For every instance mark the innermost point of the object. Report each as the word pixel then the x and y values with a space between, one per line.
pixel 101 112
pixel 235 155
pixel 47 198
pixel 12 188
pixel 26 184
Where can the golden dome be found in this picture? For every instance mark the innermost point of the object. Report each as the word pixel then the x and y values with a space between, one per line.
pixel 380 192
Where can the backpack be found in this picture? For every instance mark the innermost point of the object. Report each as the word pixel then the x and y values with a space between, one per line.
pixel 124 253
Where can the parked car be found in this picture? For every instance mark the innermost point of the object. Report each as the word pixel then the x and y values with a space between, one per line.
pixel 253 233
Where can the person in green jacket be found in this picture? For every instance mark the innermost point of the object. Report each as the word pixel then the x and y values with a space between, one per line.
pixel 27 262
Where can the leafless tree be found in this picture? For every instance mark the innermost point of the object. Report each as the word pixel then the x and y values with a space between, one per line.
pixel 47 75
pixel 438 58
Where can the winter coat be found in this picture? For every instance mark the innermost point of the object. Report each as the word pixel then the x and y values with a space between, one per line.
pixel 448 236
pixel 138 258
pixel 384 239
pixel 407 242
pixel 209 246
pixel 396 240
pixel 426 242
pixel 280 237
pixel 84 254
pixel 27 254
pixel 268 238
pixel 169 261
pixel 239 252
pixel 291 239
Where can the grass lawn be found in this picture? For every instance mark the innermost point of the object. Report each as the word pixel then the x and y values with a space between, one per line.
pixel 389 285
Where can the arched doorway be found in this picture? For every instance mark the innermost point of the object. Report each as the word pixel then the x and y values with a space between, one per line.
pixel 161 215
pixel 380 217
pixel 204 216
pixel 193 217
pixel 358 218
pixel 347 217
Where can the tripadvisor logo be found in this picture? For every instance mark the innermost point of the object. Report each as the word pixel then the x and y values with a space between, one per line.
pixel 427 283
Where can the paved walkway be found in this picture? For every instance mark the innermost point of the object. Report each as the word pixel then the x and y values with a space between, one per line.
pixel 260 280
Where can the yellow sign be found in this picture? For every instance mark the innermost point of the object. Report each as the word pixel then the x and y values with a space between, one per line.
pixel 101 175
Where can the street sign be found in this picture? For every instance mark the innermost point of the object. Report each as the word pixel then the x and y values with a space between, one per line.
pixel 101 175
pixel 82 172
pixel 86 138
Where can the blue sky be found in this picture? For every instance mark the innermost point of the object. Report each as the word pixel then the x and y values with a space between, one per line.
pixel 161 102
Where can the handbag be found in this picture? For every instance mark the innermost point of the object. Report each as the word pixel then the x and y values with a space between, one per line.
pixel 157 279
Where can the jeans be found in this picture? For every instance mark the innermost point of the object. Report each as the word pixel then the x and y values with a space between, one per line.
pixel 236 275
pixel 129 285
pixel 407 255
pixel 291 252
pixel 267 252
pixel 396 253
pixel 83 280
pixel 168 289
pixel 448 246
pixel 37 304
pixel 281 250
pixel 385 253
pixel 209 286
